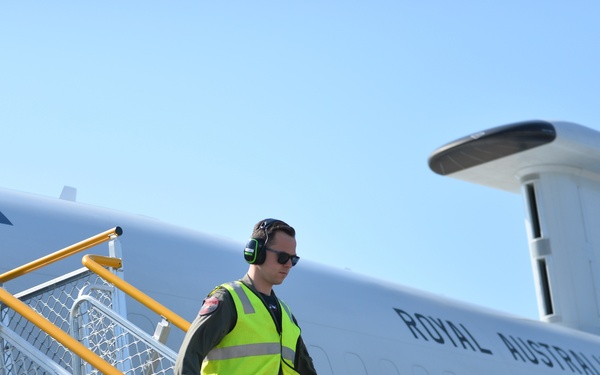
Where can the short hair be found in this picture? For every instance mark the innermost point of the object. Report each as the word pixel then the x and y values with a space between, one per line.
pixel 260 232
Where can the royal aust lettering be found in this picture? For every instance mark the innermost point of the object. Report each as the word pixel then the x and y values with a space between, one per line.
pixel 527 351
pixel 440 331
pixel 537 353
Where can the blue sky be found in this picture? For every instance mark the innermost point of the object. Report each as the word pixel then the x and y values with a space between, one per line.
pixel 214 115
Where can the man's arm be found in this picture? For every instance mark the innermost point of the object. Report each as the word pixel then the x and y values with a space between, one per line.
pixel 216 318
pixel 304 363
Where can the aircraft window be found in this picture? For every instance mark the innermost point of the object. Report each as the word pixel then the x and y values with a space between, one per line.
pixel 387 368
pixel 355 365
pixel 418 370
pixel 320 360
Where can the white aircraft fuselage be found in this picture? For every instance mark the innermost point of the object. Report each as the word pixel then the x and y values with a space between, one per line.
pixel 351 324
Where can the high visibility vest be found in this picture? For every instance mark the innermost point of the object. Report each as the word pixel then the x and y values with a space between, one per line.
pixel 254 346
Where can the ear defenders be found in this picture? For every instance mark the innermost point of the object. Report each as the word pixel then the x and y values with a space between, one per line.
pixel 255 252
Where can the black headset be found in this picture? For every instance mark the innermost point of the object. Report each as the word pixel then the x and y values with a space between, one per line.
pixel 255 252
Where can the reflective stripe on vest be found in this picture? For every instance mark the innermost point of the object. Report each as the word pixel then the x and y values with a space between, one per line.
pixel 246 304
pixel 250 347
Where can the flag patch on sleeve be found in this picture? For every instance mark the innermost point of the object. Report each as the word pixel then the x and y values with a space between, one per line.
pixel 210 305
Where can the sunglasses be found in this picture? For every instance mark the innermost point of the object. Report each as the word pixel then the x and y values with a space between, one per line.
pixel 283 257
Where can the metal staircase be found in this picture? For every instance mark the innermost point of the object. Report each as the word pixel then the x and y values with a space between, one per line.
pixel 76 323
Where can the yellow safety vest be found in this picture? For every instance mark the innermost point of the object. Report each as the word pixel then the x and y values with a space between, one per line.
pixel 253 347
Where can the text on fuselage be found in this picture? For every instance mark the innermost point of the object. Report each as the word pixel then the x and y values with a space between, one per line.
pixel 523 350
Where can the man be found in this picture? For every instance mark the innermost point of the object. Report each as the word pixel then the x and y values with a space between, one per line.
pixel 242 327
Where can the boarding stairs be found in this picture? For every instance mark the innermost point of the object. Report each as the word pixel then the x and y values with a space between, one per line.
pixel 77 323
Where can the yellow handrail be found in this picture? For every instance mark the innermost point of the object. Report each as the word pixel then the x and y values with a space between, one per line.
pixel 43 323
pixel 95 262
pixel 57 333
pixel 60 254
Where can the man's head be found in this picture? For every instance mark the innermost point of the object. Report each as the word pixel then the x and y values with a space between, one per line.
pixel 262 236
pixel 271 253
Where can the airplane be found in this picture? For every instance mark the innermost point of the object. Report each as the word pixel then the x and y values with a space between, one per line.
pixel 554 165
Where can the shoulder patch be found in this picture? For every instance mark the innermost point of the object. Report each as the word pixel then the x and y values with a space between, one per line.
pixel 209 306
